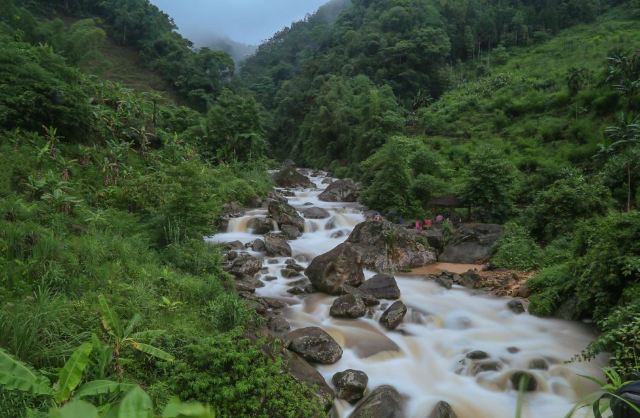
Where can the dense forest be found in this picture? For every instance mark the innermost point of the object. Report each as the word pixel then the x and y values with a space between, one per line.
pixel 110 300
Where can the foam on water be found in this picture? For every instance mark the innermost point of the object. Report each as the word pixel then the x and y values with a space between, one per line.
pixel 425 358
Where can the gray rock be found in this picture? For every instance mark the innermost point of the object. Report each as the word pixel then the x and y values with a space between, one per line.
pixel 260 226
pixel 289 273
pixel 285 214
pixel 382 402
pixel 345 190
pixel 304 373
pixel 442 410
pixel 350 384
pixel 315 213
pixel 234 245
pixel 314 345
pixel 330 271
pixel 477 355
pixel 291 264
pixel 369 300
pixel 269 278
pixel 290 177
pixel 348 306
pixel 276 245
pixel 471 244
pixel 258 245
pixel 248 284
pixel 469 279
pixel 486 366
pixel 301 290
pixel 244 265
pixel 394 315
pixel 516 306
pixel 381 286
pixel 538 364
pixel 278 325
pixel 291 232
pixel 383 245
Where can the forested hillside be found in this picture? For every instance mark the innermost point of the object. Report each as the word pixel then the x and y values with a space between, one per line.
pixel 527 112
pixel 106 284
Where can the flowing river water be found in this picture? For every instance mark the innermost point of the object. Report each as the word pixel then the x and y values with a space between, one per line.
pixel 424 359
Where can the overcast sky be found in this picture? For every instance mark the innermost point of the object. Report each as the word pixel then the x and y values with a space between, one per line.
pixel 246 21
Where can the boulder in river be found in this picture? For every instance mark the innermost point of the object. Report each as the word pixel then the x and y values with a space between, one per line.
pixel 383 245
pixel 260 226
pixel 345 190
pixel 276 245
pixel 291 232
pixel 258 246
pixel 314 345
pixel 516 306
pixel 394 315
pixel 471 244
pixel 304 373
pixel 350 384
pixel 315 213
pixel 244 265
pixel 290 177
pixel 382 402
pixel 348 306
pixel 285 214
pixel 525 380
pixel 368 299
pixel 442 410
pixel 330 271
pixel 381 286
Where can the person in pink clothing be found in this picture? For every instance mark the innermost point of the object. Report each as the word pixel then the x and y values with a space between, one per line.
pixel 439 219
pixel 418 225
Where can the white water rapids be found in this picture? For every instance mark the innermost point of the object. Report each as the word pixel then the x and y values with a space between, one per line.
pixel 425 358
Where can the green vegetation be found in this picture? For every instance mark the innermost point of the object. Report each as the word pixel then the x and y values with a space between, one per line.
pixel 107 285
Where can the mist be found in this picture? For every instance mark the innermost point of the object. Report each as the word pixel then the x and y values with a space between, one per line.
pixel 246 21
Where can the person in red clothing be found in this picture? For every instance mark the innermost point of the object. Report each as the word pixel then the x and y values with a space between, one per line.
pixel 428 223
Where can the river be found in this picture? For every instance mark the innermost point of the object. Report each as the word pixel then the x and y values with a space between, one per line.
pixel 425 358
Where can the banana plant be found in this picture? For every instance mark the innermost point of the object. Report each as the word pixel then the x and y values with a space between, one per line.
pixel 125 337
pixel 68 397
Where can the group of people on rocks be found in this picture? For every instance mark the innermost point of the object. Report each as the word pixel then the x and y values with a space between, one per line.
pixel 428 222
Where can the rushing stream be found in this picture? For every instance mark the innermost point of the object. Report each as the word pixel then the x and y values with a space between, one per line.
pixel 425 358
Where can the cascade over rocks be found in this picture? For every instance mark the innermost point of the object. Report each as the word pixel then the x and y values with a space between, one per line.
pixel 314 345
pixel 276 245
pixel 345 190
pixel 382 402
pixel 384 244
pixel 471 244
pixel 290 177
pixel 381 286
pixel 350 384
pixel 348 306
pixel 442 410
pixel 394 315
pixel 285 214
pixel 330 271
pixel 315 213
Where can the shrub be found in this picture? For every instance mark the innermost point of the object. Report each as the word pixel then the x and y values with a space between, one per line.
pixel 517 250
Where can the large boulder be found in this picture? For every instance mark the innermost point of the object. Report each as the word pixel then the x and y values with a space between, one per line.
pixel 330 271
pixel 341 191
pixel 276 245
pixel 314 345
pixel 285 214
pixel 382 286
pixel 260 226
pixel 383 245
pixel 304 373
pixel 290 177
pixel 348 306
pixel 350 384
pixel 382 402
pixel 471 244
pixel 442 410
pixel 315 213
pixel 244 265
pixel 368 299
pixel 394 315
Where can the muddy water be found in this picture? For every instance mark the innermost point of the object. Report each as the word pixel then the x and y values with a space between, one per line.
pixel 425 358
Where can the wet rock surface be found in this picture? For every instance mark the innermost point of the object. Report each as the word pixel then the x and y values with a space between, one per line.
pixel 345 190
pixel 330 271
pixel 442 410
pixel 290 177
pixel 348 306
pixel 285 214
pixel 314 345
pixel 381 286
pixel 244 265
pixel 350 384
pixel 393 316
pixel 276 245
pixel 303 372
pixel 383 245
pixel 382 402
pixel 316 213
